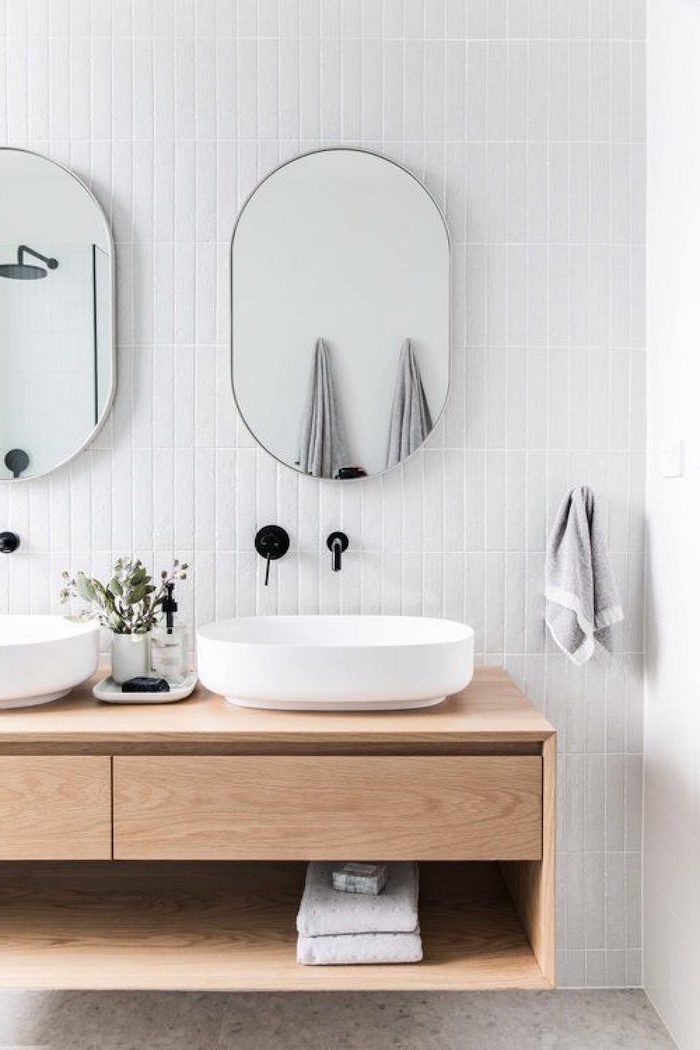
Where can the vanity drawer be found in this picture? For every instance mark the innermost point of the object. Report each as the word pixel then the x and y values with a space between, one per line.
pixel 55 808
pixel 328 807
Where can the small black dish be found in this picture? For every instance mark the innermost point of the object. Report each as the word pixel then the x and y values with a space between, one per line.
pixel 143 684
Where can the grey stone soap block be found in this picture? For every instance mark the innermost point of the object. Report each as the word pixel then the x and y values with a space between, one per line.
pixel 360 878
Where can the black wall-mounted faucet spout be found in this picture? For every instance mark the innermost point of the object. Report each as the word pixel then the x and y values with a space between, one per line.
pixel 337 544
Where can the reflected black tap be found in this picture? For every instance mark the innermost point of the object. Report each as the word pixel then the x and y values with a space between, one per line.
pixel 337 544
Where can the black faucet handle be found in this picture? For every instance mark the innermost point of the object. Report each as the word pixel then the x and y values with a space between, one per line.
pixel 337 544
pixel 16 461
pixel 9 542
pixel 271 543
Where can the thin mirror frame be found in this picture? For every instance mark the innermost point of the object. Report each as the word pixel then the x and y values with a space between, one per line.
pixel 112 326
pixel 438 209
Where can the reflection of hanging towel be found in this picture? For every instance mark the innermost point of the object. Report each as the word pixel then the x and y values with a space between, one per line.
pixel 322 446
pixel 410 416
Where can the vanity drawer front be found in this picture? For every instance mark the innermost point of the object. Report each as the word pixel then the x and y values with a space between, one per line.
pixel 55 808
pixel 328 807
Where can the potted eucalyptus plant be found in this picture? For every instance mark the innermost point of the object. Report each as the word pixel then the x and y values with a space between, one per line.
pixel 129 605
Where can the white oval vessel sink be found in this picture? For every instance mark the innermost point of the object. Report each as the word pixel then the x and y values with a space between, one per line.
pixel 335 663
pixel 43 657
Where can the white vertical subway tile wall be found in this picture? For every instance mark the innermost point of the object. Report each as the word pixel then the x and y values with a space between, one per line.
pixel 526 119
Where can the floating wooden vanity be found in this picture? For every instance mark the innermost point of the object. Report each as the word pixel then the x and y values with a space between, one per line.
pixel 163 846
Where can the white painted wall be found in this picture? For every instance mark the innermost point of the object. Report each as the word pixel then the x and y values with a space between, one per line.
pixel 527 122
pixel 672 708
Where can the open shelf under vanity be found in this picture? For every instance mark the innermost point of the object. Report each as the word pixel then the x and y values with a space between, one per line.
pixel 232 926
pixel 165 848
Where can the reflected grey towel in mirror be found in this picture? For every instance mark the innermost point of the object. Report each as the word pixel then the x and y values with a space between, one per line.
pixel 322 445
pixel 410 416
pixel 582 601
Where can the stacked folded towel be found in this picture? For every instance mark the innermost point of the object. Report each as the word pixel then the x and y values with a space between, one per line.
pixel 338 928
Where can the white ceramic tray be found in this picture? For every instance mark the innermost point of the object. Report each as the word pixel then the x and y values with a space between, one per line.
pixel 109 692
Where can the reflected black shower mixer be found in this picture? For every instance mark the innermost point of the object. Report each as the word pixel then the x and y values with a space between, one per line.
pixel 21 271
pixel 16 461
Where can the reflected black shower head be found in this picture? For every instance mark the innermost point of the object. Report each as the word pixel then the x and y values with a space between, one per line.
pixel 21 271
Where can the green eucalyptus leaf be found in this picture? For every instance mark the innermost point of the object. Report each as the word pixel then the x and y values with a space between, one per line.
pixel 86 589
pixel 99 589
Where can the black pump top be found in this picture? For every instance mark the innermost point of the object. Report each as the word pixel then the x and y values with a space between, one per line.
pixel 169 607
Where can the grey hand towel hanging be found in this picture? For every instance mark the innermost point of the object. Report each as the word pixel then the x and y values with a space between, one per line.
pixel 322 445
pixel 410 415
pixel 582 601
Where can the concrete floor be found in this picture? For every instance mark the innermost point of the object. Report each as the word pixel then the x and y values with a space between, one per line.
pixel 565 1020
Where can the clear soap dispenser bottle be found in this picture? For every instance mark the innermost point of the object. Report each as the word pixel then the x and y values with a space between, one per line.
pixel 169 643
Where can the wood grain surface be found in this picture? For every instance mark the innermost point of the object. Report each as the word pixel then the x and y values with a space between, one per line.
pixel 532 883
pixel 490 712
pixel 232 927
pixel 55 807
pixel 321 807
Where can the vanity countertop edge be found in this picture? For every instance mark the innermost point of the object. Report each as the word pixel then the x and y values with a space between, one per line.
pixel 492 709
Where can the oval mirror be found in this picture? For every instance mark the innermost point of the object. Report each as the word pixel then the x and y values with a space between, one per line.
pixel 57 366
pixel 340 313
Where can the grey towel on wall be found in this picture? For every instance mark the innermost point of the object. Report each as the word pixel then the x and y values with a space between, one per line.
pixel 410 415
pixel 582 601
pixel 359 948
pixel 322 445
pixel 326 912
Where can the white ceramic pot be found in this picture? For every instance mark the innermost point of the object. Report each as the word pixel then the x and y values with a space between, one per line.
pixel 131 656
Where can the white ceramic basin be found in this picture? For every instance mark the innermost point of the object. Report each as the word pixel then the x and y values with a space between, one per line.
pixel 43 657
pixel 335 663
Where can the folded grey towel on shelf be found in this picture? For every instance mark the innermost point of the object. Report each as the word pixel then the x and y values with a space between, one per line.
pixel 582 600
pixel 326 912
pixel 360 948
pixel 411 421
pixel 322 443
